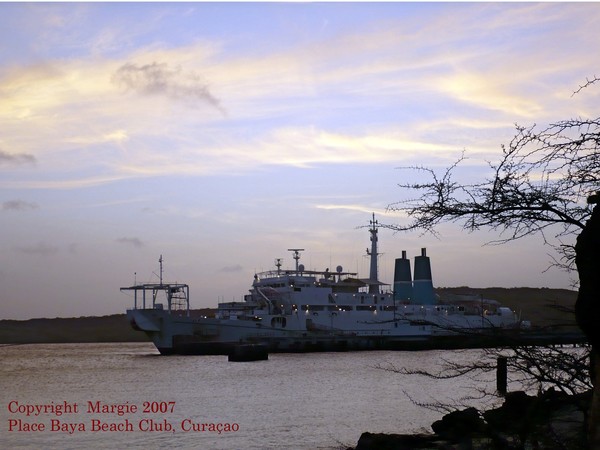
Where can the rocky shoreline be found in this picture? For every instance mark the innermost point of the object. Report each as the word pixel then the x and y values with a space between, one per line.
pixel 551 420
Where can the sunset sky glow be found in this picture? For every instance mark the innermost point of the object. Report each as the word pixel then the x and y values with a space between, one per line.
pixel 221 134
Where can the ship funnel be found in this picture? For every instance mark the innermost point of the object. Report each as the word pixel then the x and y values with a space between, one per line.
pixel 423 284
pixel 403 289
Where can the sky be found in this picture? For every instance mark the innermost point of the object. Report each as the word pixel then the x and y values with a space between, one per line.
pixel 219 135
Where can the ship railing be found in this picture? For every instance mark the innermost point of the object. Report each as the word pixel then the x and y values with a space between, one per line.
pixel 176 295
pixel 309 274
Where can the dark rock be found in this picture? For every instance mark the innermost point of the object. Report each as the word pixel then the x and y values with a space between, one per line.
pixel 513 414
pixel 382 441
pixel 455 426
pixel 552 420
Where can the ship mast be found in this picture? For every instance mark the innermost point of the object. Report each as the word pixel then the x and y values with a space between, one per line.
pixel 296 256
pixel 374 284
pixel 160 260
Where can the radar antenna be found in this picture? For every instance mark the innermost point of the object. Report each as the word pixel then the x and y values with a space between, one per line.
pixel 296 255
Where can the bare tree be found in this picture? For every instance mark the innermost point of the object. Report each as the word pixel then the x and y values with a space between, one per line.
pixel 559 375
pixel 545 183
pixel 538 187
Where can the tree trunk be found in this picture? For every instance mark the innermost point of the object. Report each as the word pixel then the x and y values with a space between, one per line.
pixel 594 412
pixel 587 309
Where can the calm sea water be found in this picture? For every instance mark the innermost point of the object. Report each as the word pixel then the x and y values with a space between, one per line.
pixel 293 401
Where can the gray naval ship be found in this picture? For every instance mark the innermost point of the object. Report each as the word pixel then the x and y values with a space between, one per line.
pixel 299 310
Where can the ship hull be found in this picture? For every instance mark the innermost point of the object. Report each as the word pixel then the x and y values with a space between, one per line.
pixel 180 335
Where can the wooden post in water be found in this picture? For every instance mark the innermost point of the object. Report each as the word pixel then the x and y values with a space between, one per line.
pixel 501 375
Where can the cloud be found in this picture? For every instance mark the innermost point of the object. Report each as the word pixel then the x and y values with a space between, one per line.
pixel 40 248
pixel 18 205
pixel 116 136
pixel 20 158
pixel 359 208
pixel 62 182
pixel 232 269
pixel 389 91
pixel 312 145
pixel 379 212
pixel 137 243
pixel 160 79
pixel 483 91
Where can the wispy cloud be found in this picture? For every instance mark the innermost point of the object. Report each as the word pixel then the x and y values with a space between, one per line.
pixel 288 146
pixel 350 207
pixel 392 91
pixel 360 208
pixel 62 182
pixel 486 92
pixel 116 136
pixel 232 269
pixel 41 248
pixel 160 79
pixel 133 241
pixel 18 205
pixel 16 158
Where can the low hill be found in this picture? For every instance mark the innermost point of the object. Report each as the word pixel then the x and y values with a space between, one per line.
pixel 543 307
pixel 113 328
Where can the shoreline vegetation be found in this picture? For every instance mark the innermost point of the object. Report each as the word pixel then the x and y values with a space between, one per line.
pixel 548 309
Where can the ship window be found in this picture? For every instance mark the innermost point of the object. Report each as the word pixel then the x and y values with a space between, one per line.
pixel 345 307
pixel 365 308
pixel 304 307
pixel 388 308
pixel 317 307
pixel 278 322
